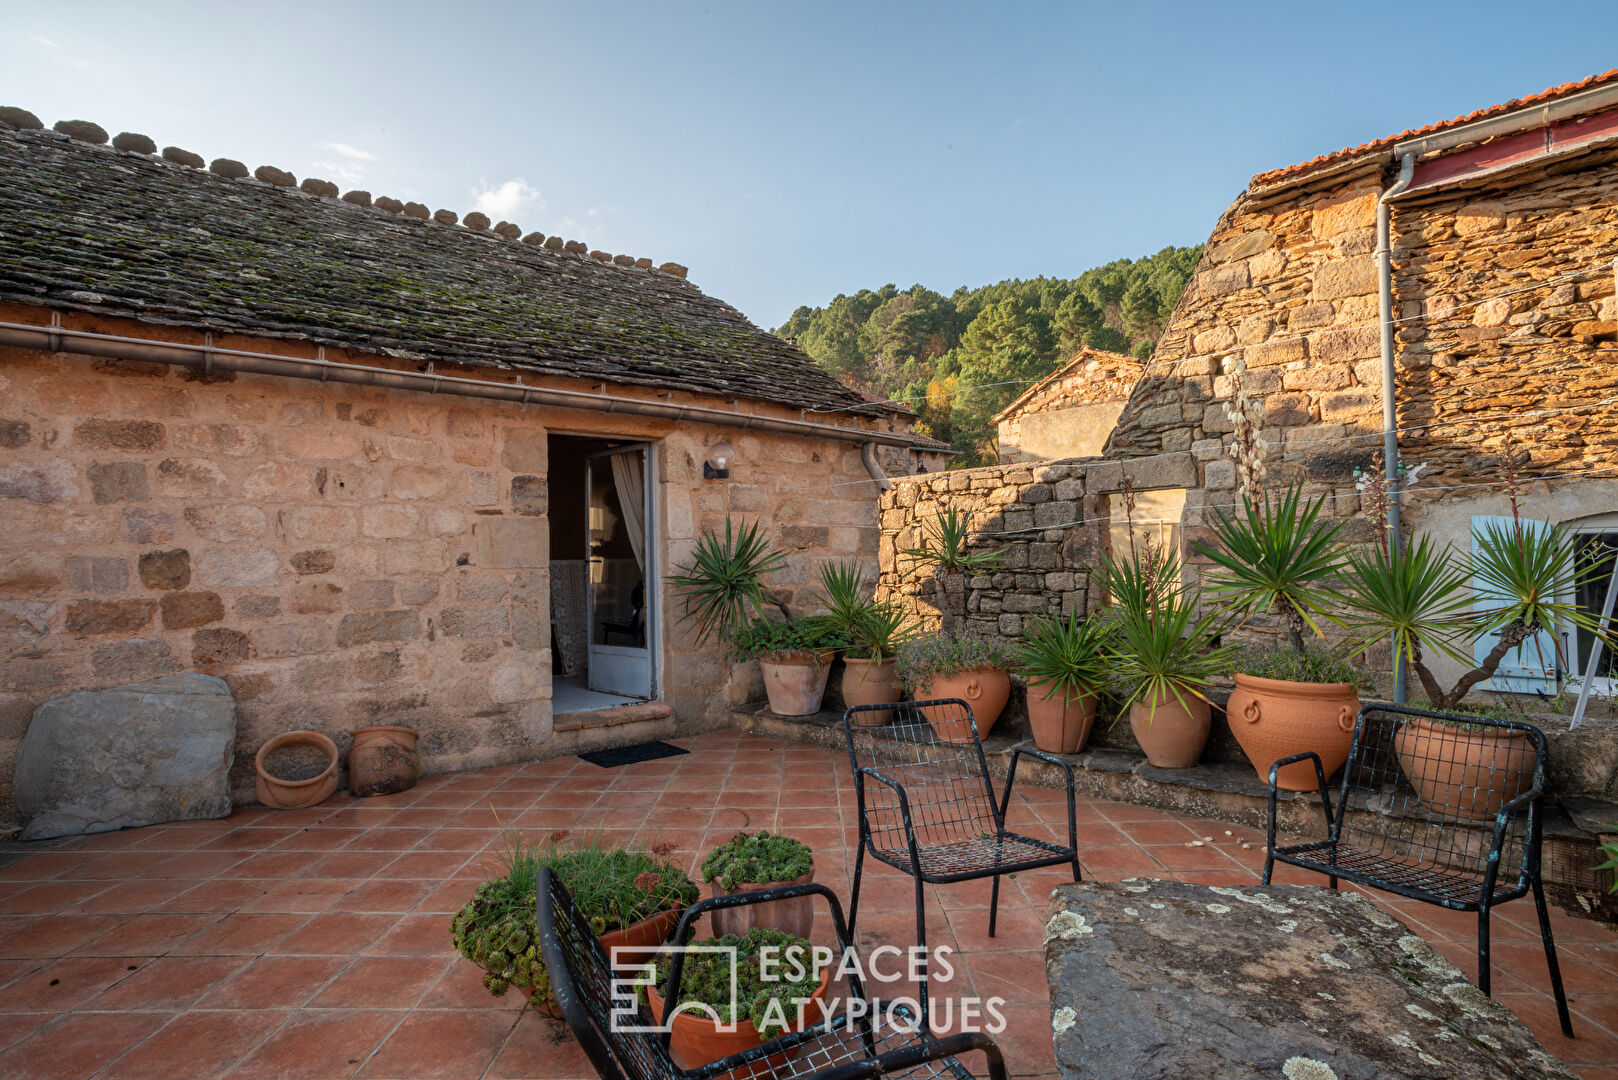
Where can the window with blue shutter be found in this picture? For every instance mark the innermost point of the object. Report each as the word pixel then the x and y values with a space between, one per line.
pixel 1530 667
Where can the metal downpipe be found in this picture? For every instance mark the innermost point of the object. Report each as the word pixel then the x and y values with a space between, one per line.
pixel 1390 405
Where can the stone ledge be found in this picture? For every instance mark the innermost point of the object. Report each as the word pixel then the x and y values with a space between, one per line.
pixel 621 714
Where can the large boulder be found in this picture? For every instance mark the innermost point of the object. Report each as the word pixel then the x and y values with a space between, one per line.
pixel 137 754
pixel 1153 980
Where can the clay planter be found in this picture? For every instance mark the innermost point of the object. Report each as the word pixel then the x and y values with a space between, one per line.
pixel 383 761
pixel 870 682
pixel 794 916
pixel 1450 767
pixel 280 794
pixel 696 1040
pixel 985 689
pixel 795 683
pixel 1275 718
pixel 1174 736
pixel 1061 723
pixel 638 943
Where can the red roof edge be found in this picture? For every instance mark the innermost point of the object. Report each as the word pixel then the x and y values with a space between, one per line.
pixel 1264 179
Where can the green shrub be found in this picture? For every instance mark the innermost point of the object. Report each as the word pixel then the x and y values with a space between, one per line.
pixel 932 655
pixel 705 977
pixel 614 888
pixel 766 638
pixel 757 858
pixel 1312 665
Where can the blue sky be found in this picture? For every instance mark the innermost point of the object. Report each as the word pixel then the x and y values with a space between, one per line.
pixel 788 152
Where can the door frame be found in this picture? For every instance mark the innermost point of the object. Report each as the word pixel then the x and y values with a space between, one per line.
pixel 650 570
pixel 1605 686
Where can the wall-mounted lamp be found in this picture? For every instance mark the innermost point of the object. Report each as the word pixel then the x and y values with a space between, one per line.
pixel 717 465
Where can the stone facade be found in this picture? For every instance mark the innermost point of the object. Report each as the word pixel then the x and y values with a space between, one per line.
pixel 344 555
pixel 1071 413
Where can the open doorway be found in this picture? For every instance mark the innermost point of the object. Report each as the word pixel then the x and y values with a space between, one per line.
pixel 602 574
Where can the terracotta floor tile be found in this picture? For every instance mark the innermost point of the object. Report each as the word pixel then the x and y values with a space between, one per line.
pixel 1017 976
pixel 147 935
pixel 317 1045
pixel 397 895
pixel 461 987
pixel 540 1047
pixel 424 864
pixel 17 1026
pixel 55 935
pixel 193 865
pixel 349 864
pixel 77 1045
pixel 381 982
pixel 132 897
pixel 449 1044
pixel 275 982
pixel 309 895
pixel 221 896
pixel 167 984
pixel 319 838
pixel 195 1044
pixel 414 935
pixel 62 984
pixel 337 933
pixel 241 934
pixel 449 897
pixel 389 839
pixel 1126 858
pixel 48 898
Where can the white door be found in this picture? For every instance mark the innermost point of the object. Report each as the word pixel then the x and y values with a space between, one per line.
pixel 620 549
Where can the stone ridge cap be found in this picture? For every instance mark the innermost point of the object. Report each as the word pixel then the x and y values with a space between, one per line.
pixel 1264 179
pixel 85 134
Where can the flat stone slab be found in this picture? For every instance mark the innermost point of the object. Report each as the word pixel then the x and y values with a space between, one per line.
pixel 1166 979
pixel 137 754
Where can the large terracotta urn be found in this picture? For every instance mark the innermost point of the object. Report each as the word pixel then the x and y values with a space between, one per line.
pixel 1276 718
pixel 383 760
pixel 794 915
pixel 1061 722
pixel 1464 770
pixel 1173 734
pixel 795 683
pixel 870 682
pixel 986 690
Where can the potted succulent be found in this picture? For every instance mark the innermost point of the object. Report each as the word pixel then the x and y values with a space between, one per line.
pixel 974 669
pixel 633 900
pixel 873 629
pixel 1067 666
pixel 1166 656
pixel 795 656
pixel 1277 556
pixel 748 862
pixel 724 1006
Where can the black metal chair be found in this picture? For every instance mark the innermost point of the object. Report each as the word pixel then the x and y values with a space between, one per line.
pixel 848 1045
pixel 933 813
pixel 1415 817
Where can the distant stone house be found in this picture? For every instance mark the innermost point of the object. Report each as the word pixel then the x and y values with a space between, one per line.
pixel 1504 231
pixel 1070 412
pixel 369 465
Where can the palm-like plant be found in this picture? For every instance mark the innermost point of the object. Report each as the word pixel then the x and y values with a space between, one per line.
pixel 1276 556
pixel 946 547
pixel 880 630
pixel 1164 647
pixel 842 585
pixel 721 588
pixel 1067 655
pixel 1528 570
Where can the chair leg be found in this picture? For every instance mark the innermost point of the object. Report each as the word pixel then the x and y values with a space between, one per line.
pixel 994 903
pixel 1550 957
pixel 1269 868
pixel 854 900
pixel 1483 950
pixel 921 944
pixel 1077 875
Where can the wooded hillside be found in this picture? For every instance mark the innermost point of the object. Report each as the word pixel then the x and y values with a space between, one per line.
pixel 959 359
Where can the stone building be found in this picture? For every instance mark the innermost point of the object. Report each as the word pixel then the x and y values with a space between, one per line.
pixel 371 465
pixel 1069 413
pixel 1504 228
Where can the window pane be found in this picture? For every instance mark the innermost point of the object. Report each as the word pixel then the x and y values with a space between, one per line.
pixel 1592 593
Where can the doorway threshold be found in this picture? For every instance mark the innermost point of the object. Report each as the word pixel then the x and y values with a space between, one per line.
pixel 632 713
pixel 571 695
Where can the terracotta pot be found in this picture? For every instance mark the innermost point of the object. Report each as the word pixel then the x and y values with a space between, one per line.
pixel 795 683
pixel 870 682
pixel 1461 773
pixel 637 943
pixel 1173 736
pixel 383 761
pixel 696 1040
pixel 794 916
pixel 985 689
pixel 1275 718
pixel 281 794
pixel 1061 724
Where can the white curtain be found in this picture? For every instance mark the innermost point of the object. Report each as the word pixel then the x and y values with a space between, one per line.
pixel 629 475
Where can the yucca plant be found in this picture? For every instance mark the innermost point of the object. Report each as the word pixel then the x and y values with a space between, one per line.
pixel 1163 646
pixel 1067 655
pixel 722 587
pixel 946 547
pixel 842 586
pixel 1276 556
pixel 881 630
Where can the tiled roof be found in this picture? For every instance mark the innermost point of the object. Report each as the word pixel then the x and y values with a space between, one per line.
pixel 93 228
pixel 1080 359
pixel 1265 178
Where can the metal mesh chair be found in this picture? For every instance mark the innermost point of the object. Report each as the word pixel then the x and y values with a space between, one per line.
pixel 848 1045
pixel 931 811
pixel 1437 807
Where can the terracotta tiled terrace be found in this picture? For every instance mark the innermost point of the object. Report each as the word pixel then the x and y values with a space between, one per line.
pixel 316 943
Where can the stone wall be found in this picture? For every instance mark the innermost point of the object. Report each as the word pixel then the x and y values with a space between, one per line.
pixel 1072 414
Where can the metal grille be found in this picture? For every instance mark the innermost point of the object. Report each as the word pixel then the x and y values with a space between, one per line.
pixel 1417 808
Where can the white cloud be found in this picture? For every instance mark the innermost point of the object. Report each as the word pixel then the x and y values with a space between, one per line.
pixel 41 39
pixel 341 173
pixel 509 199
pixel 348 151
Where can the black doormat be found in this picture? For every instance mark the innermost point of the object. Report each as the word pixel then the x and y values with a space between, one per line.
pixel 629 755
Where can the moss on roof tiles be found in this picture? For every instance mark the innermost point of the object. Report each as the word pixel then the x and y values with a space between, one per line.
pixel 179 246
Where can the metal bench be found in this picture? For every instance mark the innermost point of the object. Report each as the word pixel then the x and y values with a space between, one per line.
pixel 1413 817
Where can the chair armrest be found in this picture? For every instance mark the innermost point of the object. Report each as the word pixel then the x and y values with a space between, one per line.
pixel 1497 843
pixel 1049 759
pixel 904 810
pixel 1320 779
pixel 929 1049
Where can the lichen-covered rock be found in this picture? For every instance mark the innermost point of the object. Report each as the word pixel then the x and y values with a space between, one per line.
pixel 316 186
pixel 134 142
pixel 269 174
pixel 229 168
pixel 131 755
pixel 183 157
pixel 19 118
pixel 83 130
pixel 1165 979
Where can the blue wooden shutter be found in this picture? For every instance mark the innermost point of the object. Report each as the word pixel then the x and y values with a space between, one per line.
pixel 1531 666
